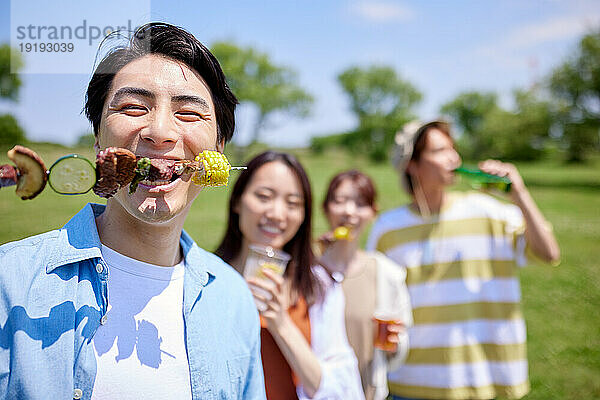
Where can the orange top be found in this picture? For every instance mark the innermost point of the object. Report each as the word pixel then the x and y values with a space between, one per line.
pixel 280 380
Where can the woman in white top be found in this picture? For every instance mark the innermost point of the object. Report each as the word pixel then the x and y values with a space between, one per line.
pixel 373 285
pixel 304 348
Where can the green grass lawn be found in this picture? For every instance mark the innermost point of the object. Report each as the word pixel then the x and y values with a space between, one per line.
pixel 560 303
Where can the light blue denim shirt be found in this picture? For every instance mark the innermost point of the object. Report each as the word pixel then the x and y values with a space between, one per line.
pixel 53 297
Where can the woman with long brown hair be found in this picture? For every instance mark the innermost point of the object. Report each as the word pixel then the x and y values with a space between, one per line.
pixel 305 351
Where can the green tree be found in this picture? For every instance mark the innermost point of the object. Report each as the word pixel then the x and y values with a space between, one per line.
pixel 383 102
pixel 86 140
pixel 255 79
pixel 576 85
pixel 468 110
pixel 10 82
pixel 521 134
pixel 10 131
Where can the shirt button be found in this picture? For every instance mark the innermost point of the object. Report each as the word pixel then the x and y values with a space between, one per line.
pixel 99 268
pixel 103 319
pixel 77 393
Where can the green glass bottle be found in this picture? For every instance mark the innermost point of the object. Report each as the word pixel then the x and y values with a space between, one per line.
pixel 481 180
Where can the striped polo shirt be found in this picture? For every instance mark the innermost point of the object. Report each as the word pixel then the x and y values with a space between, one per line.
pixel 468 338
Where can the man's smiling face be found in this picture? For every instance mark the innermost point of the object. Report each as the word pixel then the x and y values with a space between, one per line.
pixel 159 108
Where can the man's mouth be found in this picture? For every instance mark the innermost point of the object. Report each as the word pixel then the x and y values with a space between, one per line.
pixel 147 182
pixel 164 171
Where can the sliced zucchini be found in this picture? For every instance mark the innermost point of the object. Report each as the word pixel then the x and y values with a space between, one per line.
pixel 72 174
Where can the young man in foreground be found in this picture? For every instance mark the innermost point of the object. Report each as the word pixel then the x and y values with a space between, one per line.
pixel 120 302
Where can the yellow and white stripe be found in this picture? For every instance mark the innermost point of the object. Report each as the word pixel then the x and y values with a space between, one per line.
pixel 468 338
pixel 469 290
pixel 480 331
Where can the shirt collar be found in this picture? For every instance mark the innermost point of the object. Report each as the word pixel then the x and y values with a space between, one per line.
pixel 78 240
pixel 196 259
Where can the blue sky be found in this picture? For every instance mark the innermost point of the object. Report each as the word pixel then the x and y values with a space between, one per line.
pixel 441 47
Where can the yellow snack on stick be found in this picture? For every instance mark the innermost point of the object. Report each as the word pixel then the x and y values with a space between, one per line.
pixel 341 233
pixel 216 169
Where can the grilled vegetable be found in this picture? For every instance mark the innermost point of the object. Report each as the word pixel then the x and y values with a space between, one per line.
pixel 216 169
pixel 31 178
pixel 341 233
pixel 141 172
pixel 72 174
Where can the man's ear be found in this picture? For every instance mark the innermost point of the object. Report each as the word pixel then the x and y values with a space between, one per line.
pixel 221 145
pixel 96 144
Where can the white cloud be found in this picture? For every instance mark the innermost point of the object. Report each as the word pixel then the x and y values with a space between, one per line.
pixel 520 45
pixel 381 11
pixel 532 34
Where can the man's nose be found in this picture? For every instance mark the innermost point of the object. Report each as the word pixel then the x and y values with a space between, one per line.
pixel 162 129
pixel 455 159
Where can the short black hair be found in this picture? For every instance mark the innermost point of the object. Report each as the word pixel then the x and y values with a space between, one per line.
pixel 174 43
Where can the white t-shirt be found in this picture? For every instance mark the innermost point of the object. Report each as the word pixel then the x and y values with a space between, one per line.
pixel 140 349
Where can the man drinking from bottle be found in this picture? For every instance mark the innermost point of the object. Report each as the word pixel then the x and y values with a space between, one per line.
pixel 462 253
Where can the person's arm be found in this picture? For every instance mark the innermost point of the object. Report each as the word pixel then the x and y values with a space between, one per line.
pixel 538 231
pixel 299 355
pixel 288 337
pixel 327 367
pixel 392 294
pixel 340 378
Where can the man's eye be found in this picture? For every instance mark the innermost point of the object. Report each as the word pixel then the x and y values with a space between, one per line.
pixel 190 116
pixel 133 110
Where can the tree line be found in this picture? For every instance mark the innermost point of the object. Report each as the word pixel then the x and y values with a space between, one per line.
pixel 561 113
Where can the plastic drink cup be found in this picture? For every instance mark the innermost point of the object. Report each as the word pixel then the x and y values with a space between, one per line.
pixel 382 332
pixel 260 258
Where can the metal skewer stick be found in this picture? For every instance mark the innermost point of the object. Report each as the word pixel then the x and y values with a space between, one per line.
pixel 195 166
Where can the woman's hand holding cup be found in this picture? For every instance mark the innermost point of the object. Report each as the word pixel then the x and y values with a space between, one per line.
pixel 270 297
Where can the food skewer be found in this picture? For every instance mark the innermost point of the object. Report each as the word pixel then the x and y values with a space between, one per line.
pixel 115 168
pixel 342 233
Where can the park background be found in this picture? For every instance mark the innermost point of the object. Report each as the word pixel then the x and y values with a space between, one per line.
pixel 332 83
